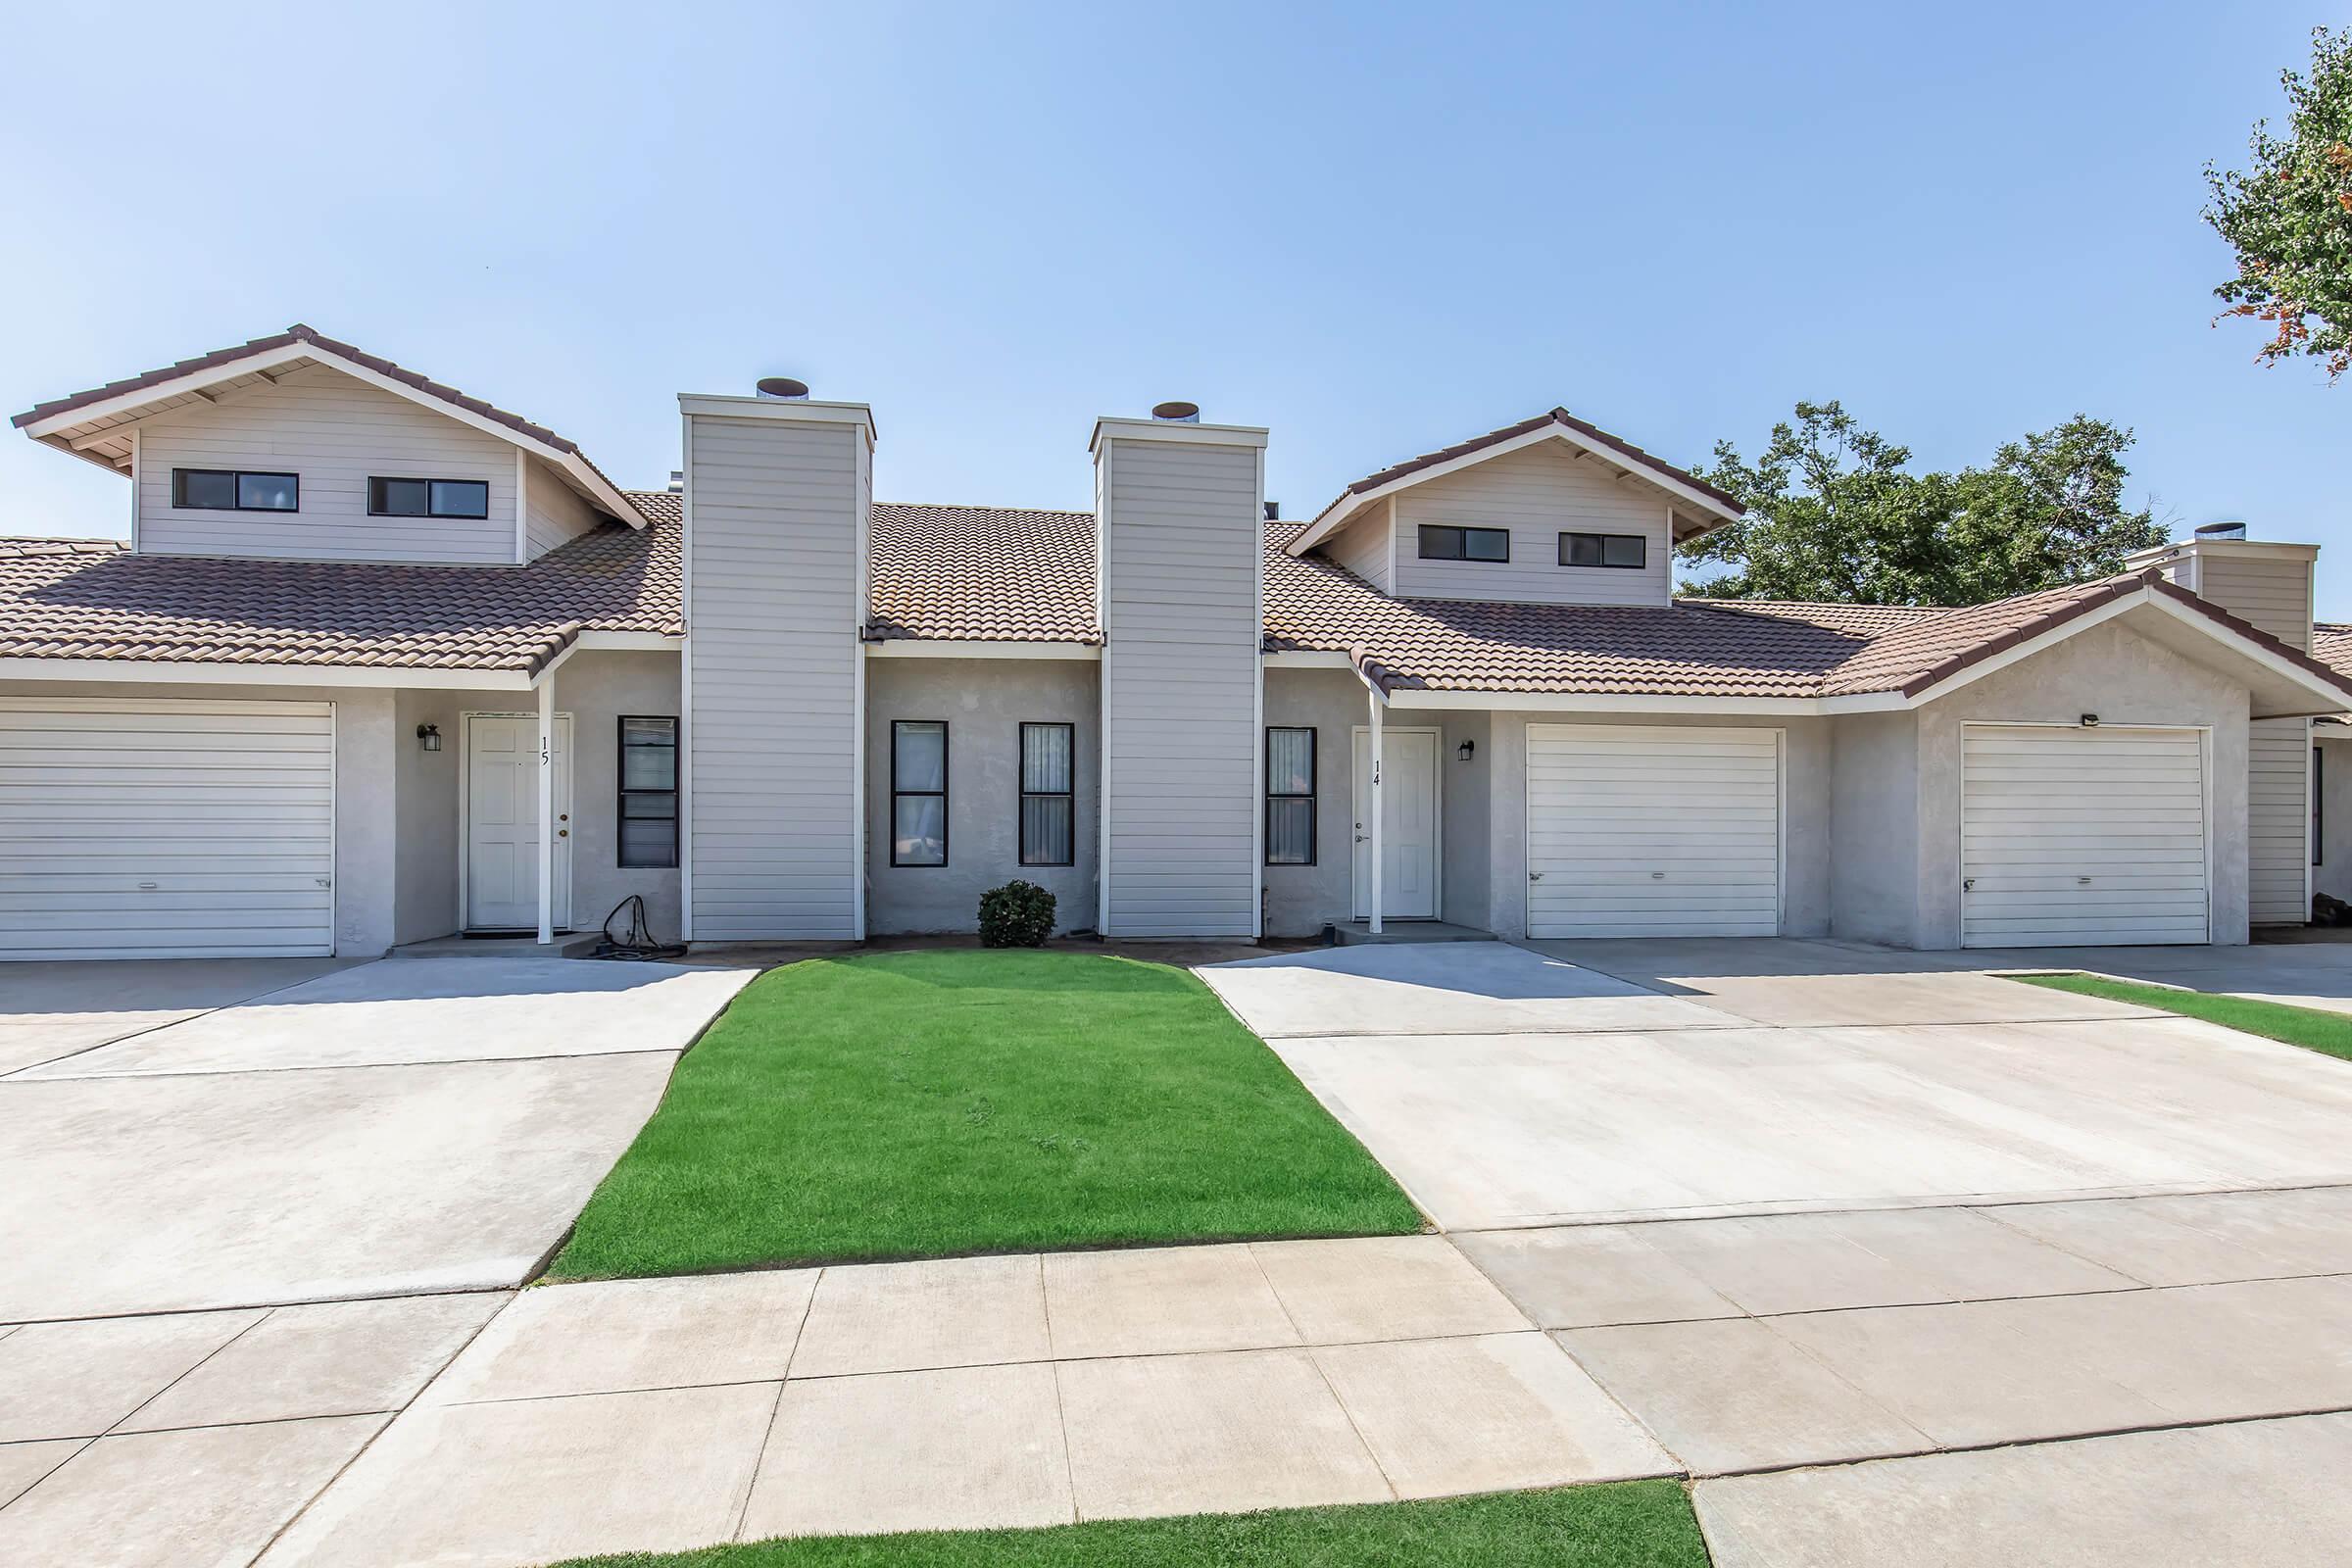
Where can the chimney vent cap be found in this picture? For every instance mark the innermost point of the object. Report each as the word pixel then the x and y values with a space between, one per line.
pixel 2221 530
pixel 1177 413
pixel 780 386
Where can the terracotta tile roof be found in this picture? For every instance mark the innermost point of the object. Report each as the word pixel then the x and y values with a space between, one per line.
pixel 1691 648
pixel 983 574
pixel 1560 416
pixel 298 333
pixel 106 603
pixel 2331 645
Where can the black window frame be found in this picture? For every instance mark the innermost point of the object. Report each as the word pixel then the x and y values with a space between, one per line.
pixel 1314 779
pixel 1024 795
pixel 946 758
pixel 236 478
pixel 1461 534
pixel 2319 805
pixel 377 495
pixel 623 791
pixel 1641 562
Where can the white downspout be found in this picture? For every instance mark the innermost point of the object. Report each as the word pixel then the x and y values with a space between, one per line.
pixel 546 806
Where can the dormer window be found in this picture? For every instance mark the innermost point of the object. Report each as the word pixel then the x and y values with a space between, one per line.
pixel 1464 544
pixel 227 490
pixel 428 498
pixel 1627 550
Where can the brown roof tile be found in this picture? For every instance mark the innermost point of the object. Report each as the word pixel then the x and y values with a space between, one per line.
pixel 106 603
pixel 983 574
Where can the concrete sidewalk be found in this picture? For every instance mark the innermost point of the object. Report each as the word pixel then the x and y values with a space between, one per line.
pixel 1025 1391
pixel 668 1415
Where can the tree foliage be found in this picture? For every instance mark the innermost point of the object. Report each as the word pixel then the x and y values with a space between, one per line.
pixel 1835 513
pixel 2288 215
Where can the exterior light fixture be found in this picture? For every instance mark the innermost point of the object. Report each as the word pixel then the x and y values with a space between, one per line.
pixel 428 736
pixel 2090 722
pixel 1466 751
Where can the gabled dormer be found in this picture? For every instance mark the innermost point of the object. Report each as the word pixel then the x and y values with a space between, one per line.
pixel 298 447
pixel 1549 510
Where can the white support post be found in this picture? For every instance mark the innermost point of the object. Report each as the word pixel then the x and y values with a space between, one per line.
pixel 547 808
pixel 1373 698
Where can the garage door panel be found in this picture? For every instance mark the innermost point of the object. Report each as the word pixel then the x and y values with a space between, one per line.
pixel 1652 830
pixel 156 827
pixel 2083 837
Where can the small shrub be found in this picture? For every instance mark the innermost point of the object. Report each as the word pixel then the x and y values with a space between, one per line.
pixel 1018 914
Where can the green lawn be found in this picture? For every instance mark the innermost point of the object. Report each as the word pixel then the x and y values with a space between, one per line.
pixel 1634 1523
pixel 2328 1032
pixel 913 1105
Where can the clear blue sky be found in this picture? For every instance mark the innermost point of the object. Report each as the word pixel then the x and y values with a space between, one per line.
pixel 1374 229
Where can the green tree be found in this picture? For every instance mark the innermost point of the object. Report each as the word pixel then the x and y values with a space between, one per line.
pixel 2290 216
pixel 1835 514
pixel 2048 510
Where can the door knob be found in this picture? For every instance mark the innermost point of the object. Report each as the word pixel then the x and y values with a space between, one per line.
pixel 562 816
pixel 562 832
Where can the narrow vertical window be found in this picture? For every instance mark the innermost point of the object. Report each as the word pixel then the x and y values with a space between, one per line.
pixel 1049 828
pixel 2319 808
pixel 919 792
pixel 648 792
pixel 1290 796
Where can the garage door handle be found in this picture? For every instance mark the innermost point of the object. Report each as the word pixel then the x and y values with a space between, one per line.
pixel 1969 886
pixel 1535 876
pixel 2083 881
pixel 147 887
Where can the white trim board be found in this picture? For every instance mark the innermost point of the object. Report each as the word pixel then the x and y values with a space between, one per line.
pixel 980 648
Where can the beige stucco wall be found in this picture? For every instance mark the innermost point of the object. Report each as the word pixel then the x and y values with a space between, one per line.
pixel 1874 838
pixel 1301 900
pixel 596 688
pixel 984 702
pixel 2124 678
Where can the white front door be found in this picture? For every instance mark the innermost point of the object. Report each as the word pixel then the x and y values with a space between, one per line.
pixel 502 822
pixel 1408 831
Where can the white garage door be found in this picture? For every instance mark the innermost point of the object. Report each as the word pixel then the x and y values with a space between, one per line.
pixel 149 827
pixel 2082 836
pixel 1637 831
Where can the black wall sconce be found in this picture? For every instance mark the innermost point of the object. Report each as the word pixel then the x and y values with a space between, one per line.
pixel 1466 751
pixel 428 736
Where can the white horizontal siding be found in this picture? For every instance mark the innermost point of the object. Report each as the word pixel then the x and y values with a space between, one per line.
pixel 773 671
pixel 2277 821
pixel 553 512
pixel 1636 830
pixel 1182 552
pixel 1536 493
pixel 335 432
pixel 2273 592
pixel 2082 836
pixel 147 828
pixel 1363 547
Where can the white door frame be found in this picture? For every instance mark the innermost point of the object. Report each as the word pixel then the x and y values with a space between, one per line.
pixel 2204 734
pixel 465 719
pixel 1437 820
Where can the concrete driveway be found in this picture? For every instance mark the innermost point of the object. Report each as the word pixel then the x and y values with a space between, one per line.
pixel 249 1209
pixel 1857 1234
